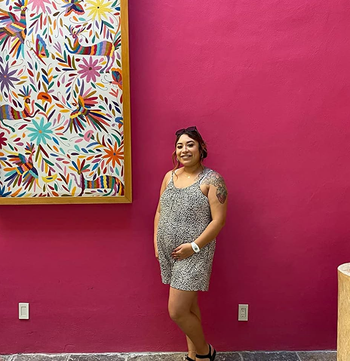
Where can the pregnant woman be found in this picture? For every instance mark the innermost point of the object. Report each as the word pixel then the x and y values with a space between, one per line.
pixel 190 214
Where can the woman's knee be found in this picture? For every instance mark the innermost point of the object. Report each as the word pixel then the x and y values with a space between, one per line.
pixel 176 312
pixel 179 305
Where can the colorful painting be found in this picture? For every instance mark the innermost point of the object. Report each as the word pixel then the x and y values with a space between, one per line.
pixel 64 102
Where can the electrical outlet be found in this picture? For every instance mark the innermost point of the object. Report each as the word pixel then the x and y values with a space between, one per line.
pixel 23 311
pixel 242 312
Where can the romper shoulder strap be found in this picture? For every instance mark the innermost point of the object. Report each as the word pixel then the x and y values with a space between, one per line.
pixel 171 179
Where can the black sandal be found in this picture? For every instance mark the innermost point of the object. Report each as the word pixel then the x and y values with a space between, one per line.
pixel 210 356
pixel 188 358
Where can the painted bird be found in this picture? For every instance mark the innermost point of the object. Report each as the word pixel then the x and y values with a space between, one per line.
pixel 11 27
pixel 73 6
pixel 86 113
pixel 24 173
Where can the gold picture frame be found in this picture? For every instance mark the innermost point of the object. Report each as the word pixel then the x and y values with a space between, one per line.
pixel 65 132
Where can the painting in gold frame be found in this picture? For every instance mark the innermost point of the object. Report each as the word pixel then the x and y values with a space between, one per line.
pixel 64 102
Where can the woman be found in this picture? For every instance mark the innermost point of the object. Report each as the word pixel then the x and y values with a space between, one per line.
pixel 190 214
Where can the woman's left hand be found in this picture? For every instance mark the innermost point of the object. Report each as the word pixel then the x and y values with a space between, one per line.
pixel 183 251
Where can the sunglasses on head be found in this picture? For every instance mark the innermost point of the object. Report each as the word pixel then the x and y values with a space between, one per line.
pixel 185 130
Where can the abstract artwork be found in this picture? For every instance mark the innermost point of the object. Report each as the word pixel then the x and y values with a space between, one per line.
pixel 64 102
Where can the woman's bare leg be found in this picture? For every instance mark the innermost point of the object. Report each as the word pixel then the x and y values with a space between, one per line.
pixel 180 303
pixel 190 345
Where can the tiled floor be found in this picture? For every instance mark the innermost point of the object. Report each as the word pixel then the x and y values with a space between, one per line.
pixel 221 356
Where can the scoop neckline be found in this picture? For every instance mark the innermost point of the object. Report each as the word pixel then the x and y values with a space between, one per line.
pixel 172 179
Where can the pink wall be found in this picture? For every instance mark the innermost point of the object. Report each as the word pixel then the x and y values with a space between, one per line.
pixel 268 84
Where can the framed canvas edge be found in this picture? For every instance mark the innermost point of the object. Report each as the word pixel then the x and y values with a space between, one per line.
pixel 126 101
pixel 64 200
pixel 127 198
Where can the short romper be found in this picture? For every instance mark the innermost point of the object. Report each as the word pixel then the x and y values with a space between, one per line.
pixel 184 215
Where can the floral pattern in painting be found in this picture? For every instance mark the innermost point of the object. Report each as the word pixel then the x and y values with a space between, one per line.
pixel 61 104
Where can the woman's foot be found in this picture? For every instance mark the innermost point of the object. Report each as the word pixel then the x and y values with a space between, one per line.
pixel 191 355
pixel 210 356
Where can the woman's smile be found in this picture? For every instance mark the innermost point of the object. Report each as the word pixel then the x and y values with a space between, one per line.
pixel 187 149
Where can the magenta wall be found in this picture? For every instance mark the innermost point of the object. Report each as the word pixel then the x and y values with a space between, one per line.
pixel 268 84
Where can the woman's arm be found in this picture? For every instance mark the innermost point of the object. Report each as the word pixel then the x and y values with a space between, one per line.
pixel 217 196
pixel 156 218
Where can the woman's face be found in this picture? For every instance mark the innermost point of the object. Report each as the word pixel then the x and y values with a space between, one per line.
pixel 187 151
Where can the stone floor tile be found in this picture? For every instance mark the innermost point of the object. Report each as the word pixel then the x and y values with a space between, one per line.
pixel 269 356
pixel 228 356
pixel 4 358
pixel 157 357
pixel 38 357
pixel 97 357
pixel 318 356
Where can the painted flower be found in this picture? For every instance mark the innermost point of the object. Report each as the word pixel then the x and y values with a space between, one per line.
pixel 6 77
pixel 39 5
pixel 114 155
pixel 2 140
pixel 41 132
pixel 98 9
pixel 45 97
pixel 89 69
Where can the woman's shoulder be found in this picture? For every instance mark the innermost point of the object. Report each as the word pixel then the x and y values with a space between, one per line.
pixel 166 181
pixel 212 177
pixel 167 176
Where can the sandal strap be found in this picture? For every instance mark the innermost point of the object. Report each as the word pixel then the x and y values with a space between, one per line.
pixel 209 356
pixel 188 358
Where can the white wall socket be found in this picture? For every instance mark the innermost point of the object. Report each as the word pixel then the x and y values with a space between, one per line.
pixel 242 312
pixel 23 311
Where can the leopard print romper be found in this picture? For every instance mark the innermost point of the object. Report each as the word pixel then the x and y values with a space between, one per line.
pixel 184 215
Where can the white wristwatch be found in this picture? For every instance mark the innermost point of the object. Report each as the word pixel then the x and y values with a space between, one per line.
pixel 195 247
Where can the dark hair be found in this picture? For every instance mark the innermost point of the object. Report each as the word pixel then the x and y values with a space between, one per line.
pixel 194 134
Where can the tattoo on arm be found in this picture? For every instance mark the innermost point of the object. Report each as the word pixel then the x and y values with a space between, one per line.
pixel 217 181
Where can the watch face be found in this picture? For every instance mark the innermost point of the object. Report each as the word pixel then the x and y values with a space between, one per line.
pixel 195 247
